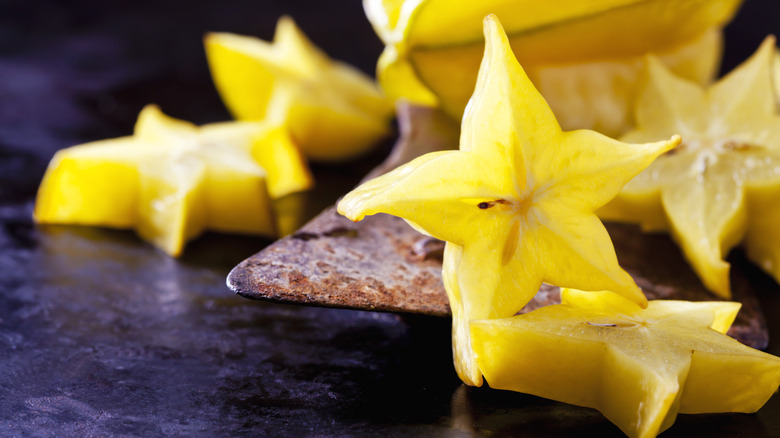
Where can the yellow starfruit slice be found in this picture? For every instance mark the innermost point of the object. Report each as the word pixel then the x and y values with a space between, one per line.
pixel 721 186
pixel 639 367
pixel 776 73
pixel 172 180
pixel 518 198
pixel 333 111
pixel 583 55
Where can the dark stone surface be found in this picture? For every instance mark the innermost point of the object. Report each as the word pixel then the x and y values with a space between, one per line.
pixel 102 335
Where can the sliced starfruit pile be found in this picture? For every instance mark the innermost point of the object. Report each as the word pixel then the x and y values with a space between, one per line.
pixel 516 206
pixel 639 367
pixel 171 180
pixel 583 55
pixel 334 112
pixel 516 202
pixel 721 186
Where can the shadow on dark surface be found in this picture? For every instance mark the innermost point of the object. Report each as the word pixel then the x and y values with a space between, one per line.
pixel 368 377
pixel 487 412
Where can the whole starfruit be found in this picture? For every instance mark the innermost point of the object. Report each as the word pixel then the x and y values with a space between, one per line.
pixel 582 55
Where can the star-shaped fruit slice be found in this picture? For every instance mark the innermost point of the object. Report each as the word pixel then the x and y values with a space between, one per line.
pixel 721 186
pixel 334 111
pixel 171 180
pixel 639 367
pixel 516 200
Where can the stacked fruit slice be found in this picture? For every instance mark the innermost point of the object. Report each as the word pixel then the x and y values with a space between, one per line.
pixel 639 367
pixel 516 206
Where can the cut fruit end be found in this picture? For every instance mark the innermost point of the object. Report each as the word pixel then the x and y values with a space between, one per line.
pixel 587 81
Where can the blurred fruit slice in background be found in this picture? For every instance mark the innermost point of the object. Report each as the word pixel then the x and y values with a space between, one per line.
pixel 172 180
pixel 334 112
pixel 583 56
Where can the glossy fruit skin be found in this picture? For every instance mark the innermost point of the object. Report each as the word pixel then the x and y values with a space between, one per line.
pixel 515 204
pixel 720 187
pixel 172 180
pixel 639 367
pixel 333 111
pixel 582 55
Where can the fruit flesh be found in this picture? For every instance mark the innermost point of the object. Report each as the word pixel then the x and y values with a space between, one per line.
pixel 333 111
pixel 171 203
pixel 74 191
pixel 639 367
pixel 515 203
pixel 720 187
pixel 587 45
pixel 172 180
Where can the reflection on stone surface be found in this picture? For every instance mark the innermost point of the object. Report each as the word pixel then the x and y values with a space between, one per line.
pixel 120 337
pixel 484 411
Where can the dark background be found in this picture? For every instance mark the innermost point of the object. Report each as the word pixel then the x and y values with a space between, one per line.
pixel 101 334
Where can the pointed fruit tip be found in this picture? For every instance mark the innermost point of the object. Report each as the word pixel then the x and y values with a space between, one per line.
pixel 285 20
pixel 639 298
pixel 285 28
pixel 491 28
pixel 765 50
pixel 724 315
pixel 285 24
pixel 347 212
pixel 151 107
pixel 663 146
pixel 769 41
pixel 491 19
pixel 633 293
pixel 213 38
pixel 150 111
pixel 673 142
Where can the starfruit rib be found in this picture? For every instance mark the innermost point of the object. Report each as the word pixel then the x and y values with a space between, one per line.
pixel 776 74
pixel 463 355
pixel 172 202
